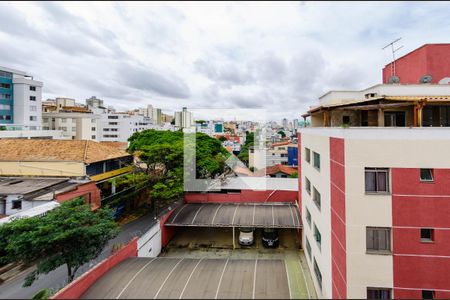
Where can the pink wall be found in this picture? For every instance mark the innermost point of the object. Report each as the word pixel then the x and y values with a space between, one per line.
pixel 245 196
pixel 416 205
pixel 167 232
pixel 80 285
pixel 433 59
pixel 338 235
pixel 89 190
pixel 299 170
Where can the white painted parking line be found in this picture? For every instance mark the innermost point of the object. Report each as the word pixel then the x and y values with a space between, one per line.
pixel 295 207
pixel 173 221
pixel 292 215
pixel 221 276
pixel 289 281
pixel 234 215
pixel 187 282
pixel 167 277
pixel 135 275
pixel 195 216
pixel 254 279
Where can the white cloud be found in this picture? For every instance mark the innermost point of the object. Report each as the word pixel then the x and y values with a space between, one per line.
pixel 277 56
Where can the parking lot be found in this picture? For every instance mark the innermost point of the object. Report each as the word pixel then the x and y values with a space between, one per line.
pixel 200 263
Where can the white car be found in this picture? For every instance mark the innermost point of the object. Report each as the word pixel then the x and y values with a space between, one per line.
pixel 246 236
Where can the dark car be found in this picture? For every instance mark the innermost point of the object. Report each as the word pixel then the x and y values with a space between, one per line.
pixel 270 237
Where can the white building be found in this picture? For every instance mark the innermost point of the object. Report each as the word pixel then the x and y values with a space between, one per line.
pixel 183 119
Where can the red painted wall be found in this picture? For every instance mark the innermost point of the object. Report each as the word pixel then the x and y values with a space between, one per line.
pixel 167 232
pixel 80 285
pixel 416 205
pixel 245 196
pixel 431 59
pixel 89 190
pixel 338 235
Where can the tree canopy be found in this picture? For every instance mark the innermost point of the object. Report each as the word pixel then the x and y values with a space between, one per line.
pixel 70 235
pixel 249 142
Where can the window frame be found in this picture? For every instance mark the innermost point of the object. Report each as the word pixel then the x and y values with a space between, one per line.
pixel 426 180
pixel 308 155
pixel 308 185
pixel 433 294
pixel 14 204
pixel 424 239
pixel 314 198
pixel 377 250
pixel 317 167
pixel 317 273
pixel 308 217
pixel 377 171
pixel 317 233
pixel 379 289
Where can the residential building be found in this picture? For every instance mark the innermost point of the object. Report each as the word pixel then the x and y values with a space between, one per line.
pixel 277 154
pixel 157 117
pixel 374 176
pixel 63 158
pixel 183 119
pixel 276 171
pixel 75 121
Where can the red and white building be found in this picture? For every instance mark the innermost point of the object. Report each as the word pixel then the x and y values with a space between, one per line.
pixel 374 174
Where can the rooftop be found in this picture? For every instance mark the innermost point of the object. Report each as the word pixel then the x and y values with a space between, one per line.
pixel 57 150
pixel 20 186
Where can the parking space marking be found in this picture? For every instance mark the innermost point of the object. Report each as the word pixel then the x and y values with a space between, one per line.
pixel 254 279
pixel 215 214
pixel 221 276
pixel 195 216
pixel 187 282
pixel 167 277
pixel 135 275
pixel 289 281
pixel 295 213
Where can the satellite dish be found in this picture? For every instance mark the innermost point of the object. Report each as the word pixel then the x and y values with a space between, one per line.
pixel 394 79
pixel 445 80
pixel 426 79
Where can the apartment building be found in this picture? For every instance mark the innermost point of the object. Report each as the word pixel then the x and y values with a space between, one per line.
pixel 374 176
pixel 281 153
pixel 75 121
pixel 183 119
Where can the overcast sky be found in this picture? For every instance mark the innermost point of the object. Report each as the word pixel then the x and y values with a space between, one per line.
pixel 276 56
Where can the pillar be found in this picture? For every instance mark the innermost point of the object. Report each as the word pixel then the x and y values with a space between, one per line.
pixel 380 117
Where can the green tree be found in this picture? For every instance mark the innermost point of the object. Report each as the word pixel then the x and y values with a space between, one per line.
pixel 281 132
pixel 249 142
pixel 222 138
pixel 294 175
pixel 70 235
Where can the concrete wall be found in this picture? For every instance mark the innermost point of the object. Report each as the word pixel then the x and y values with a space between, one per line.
pixel 45 168
pixel 80 285
pixel 25 204
pixel 149 244
pixel 167 232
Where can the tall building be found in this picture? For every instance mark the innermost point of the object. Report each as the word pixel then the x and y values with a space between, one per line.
pixel 183 119
pixel 375 192
pixel 149 112
pixel 157 116
pixel 20 99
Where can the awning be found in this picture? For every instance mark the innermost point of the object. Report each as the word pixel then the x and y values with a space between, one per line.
pixel 276 215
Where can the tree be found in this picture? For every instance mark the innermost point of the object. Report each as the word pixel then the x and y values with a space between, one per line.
pixel 249 142
pixel 70 235
pixel 222 138
pixel 294 175
pixel 281 132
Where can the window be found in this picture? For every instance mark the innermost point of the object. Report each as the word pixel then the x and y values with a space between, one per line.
pixel 308 248
pixel 63 120
pixel 316 197
pixel 33 118
pixel 114 129
pixel 16 204
pixel 307 155
pixel 45 128
pixel 308 217
pixel 318 274
pixel 5 107
pixel 105 129
pixel 426 174
pixel 32 98
pixel 32 88
pixel 308 185
pixel 316 160
pixel 33 108
pixel 427 294
pixel 113 117
pixel 426 235
pixel 74 129
pixel 5 96
pixel 317 236
pixel 5 117
pixel 92 120
pixel 5 74
pixel 93 129
pixel 378 293
pixel 378 239
pixel 93 137
pixel 346 120
pixel 112 123
pixel 5 85
pixel 377 180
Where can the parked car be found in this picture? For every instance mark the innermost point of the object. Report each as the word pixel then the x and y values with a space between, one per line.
pixel 246 236
pixel 270 237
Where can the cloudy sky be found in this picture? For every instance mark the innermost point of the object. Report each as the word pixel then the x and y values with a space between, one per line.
pixel 275 56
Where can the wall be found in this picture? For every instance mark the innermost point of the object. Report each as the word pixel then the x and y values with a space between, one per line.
pixel 245 196
pixel 427 60
pixel 167 232
pixel 419 205
pixel 80 285
pixel 25 204
pixel 338 221
pixel 47 168
pixel 149 244
pixel 22 102
pixel 89 190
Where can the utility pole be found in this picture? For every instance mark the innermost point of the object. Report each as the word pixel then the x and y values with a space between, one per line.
pixel 393 54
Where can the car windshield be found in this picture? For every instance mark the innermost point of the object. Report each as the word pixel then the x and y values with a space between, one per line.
pixel 270 233
pixel 247 230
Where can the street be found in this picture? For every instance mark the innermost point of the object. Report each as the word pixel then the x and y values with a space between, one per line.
pixel 56 279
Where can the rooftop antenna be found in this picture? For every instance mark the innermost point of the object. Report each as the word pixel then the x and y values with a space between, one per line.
pixel 393 54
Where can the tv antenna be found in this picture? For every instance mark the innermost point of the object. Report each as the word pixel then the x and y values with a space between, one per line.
pixel 393 54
